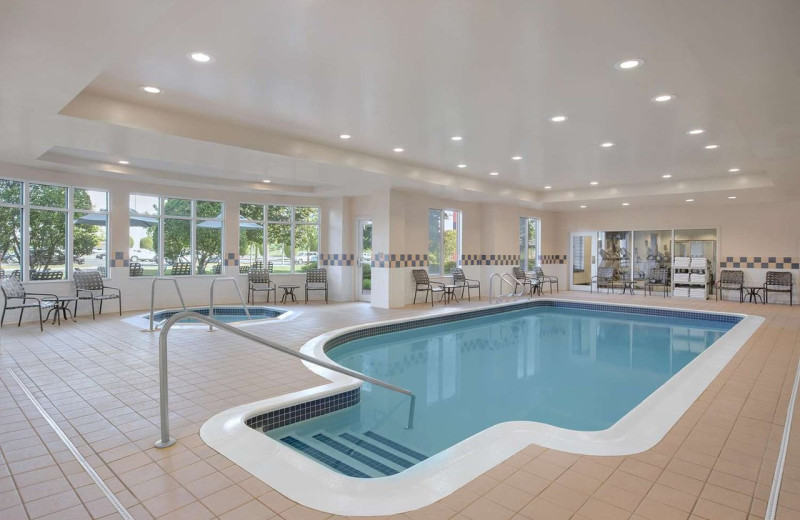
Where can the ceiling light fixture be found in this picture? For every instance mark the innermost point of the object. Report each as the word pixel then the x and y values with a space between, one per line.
pixel 663 98
pixel 123 162
pixel 462 165
pixel 558 119
pixel 150 89
pixel 200 57
pixel 594 183
pixel 548 187
pixel 399 150
pixel 712 146
pixel 734 170
pixel 267 181
pixel 689 200
pixel 626 203
pixel 629 64
pixel 583 207
pixel 607 145
pixel 345 136
pixel 696 131
pixel 456 138
pixel 666 176
pixel 516 158
pixel 494 174
pixel 732 197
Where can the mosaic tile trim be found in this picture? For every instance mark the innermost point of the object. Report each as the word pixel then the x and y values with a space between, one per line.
pixel 471 259
pixel 231 259
pixel 761 262
pixel 438 320
pixel 479 259
pixel 552 259
pixel 395 260
pixel 120 259
pixel 302 411
pixel 340 259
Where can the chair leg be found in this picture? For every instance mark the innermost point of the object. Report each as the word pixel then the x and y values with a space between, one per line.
pixel 415 297
pixel 41 327
pixel 93 316
pixel 120 304
pixel 326 295
pixel 426 297
pixel 3 317
pixel 19 323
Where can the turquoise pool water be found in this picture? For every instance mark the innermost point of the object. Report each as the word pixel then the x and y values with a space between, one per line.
pixel 574 368
pixel 224 314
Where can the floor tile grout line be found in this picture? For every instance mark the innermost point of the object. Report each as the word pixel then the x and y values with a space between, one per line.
pixel 123 512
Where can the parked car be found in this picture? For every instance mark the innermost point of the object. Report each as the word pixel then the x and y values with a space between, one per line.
pixel 303 257
pixel 141 255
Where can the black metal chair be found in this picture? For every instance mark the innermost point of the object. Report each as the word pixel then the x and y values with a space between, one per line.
pixel 659 277
pixel 465 283
pixel 546 278
pixel 181 269
pixel 730 281
pixel 135 269
pixel 89 286
pixel 258 281
pixel 14 290
pixel 778 281
pixel 604 277
pixel 424 284
pixel 534 284
pixel 317 280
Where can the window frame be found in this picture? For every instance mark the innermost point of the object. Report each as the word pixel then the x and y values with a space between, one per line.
pixel 292 222
pixel 524 244
pixel 458 230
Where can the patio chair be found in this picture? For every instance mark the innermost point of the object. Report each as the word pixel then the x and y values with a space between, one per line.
pixel 135 269
pixel 730 281
pixel 534 284
pixel 14 290
pixel 89 286
pixel 659 277
pixel 546 278
pixel 317 280
pixel 258 281
pixel 258 264
pixel 181 269
pixel 605 277
pixel 778 281
pixel 465 283
pixel 47 274
pixel 424 284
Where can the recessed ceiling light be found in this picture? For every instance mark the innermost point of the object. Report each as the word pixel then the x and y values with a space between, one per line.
pixel 150 89
pixel 712 146
pixel 558 119
pixel 494 174
pixel 732 197
pixel 594 183
pixel 516 158
pixel 398 150
pixel 462 165
pixel 345 136
pixel 666 176
pixel 695 131
pixel 456 138
pixel 267 181
pixel 663 98
pixel 200 57
pixel 626 203
pixel 734 170
pixel 689 200
pixel 629 64
pixel 583 207
pixel 548 187
pixel 607 145
pixel 123 162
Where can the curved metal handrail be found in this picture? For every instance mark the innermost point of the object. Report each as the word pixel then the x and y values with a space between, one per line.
pixel 153 295
pixel 211 297
pixel 166 440
pixel 504 278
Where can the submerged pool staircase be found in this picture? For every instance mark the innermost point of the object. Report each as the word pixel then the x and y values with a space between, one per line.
pixel 365 455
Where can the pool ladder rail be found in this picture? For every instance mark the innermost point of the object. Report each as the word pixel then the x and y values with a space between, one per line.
pixel 166 441
pixel 517 289
pixel 183 303
pixel 153 296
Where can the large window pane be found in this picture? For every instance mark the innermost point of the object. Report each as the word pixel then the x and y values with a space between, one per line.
pixel 143 233
pixel 306 214
pixel 48 243
pixel 435 241
pixel 91 200
pixel 177 246
pixel 614 250
pixel 89 242
pixel 208 247
pixel 251 211
pixel 209 209
pixel 528 242
pixel 306 244
pixel 450 253
pixel 280 246
pixel 144 205
pixel 10 240
pixel 10 192
pixel 651 250
pixel 48 196
pixel 251 244
pixel 279 213
pixel 177 207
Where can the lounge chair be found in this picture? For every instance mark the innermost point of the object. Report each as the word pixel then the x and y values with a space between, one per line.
pixel 534 284
pixel 465 283
pixel 135 269
pixel 181 269
pixel 605 278
pixel 546 278
pixel 659 277
pixel 14 290
pixel 778 281
pixel 730 281
pixel 424 284
pixel 317 280
pixel 89 286
pixel 258 281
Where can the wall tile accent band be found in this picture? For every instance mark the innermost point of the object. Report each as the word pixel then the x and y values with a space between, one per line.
pixel 394 260
pixel 334 259
pixel 120 259
pixel 761 262
pixel 301 412
pixel 231 259
pixel 478 259
pixel 552 259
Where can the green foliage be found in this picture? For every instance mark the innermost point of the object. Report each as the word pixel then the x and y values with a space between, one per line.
pixel 130 241
pixel 146 243
pixel 366 277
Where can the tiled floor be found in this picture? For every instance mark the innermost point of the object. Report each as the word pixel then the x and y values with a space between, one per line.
pixel 99 382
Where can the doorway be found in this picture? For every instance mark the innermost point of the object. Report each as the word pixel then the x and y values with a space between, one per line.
pixel 364 260
pixel 583 260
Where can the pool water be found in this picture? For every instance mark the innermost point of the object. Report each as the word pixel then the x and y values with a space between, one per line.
pixel 577 369
pixel 224 314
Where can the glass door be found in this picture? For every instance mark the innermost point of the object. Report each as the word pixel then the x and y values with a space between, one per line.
pixel 364 260
pixel 582 260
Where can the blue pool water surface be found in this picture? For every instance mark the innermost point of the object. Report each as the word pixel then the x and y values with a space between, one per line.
pixel 573 368
pixel 224 314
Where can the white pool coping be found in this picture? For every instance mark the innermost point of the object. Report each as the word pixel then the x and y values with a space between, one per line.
pixel 314 485
pixel 143 321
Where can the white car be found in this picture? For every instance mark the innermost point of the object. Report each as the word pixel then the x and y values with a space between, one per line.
pixel 141 255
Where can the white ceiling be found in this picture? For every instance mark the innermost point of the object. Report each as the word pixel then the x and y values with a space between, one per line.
pixel 289 77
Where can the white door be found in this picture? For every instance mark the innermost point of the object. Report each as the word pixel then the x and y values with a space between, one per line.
pixel 582 260
pixel 364 260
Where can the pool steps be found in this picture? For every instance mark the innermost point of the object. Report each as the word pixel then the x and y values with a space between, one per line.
pixel 367 455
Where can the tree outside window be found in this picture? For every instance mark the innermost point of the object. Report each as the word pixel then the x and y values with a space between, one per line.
pixel 444 240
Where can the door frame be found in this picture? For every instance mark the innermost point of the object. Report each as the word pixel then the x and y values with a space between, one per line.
pixel 360 296
pixel 593 256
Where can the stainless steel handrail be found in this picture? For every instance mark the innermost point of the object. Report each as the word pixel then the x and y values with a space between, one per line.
pixel 166 440
pixel 504 278
pixel 514 283
pixel 153 295
pixel 211 297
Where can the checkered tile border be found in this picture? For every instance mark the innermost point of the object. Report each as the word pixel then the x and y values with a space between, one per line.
pixel 231 259
pixel 552 259
pixel 394 260
pixel 489 259
pixel 334 259
pixel 120 259
pixel 301 412
pixel 761 262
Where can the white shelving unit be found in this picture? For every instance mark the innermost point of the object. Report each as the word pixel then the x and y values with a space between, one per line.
pixel 691 277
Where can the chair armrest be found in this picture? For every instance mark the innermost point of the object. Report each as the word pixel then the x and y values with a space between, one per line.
pixel 79 291
pixel 112 288
pixel 436 283
pixel 50 295
pixel 471 280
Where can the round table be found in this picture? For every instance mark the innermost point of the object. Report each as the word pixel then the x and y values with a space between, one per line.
pixel 450 293
pixel 288 290
pixel 753 292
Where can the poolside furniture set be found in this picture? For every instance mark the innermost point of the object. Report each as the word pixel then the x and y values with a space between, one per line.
pixel 530 283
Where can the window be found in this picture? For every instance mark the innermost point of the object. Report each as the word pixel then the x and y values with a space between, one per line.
pixel 49 230
pixel 444 240
pixel 529 228
pixel 191 240
pixel 578 252
pixel 291 241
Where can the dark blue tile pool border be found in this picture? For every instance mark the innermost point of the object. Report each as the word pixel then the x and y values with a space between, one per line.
pixel 449 318
pixel 302 411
